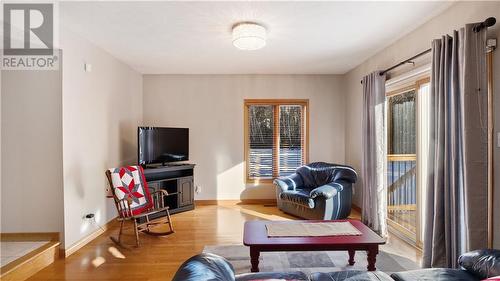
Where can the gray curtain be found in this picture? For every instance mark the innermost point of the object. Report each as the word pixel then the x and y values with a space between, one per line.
pixel 456 218
pixel 373 176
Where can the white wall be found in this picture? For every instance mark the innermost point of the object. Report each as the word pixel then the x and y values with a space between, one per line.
pixel 101 112
pixel 415 42
pixel 212 107
pixel 31 150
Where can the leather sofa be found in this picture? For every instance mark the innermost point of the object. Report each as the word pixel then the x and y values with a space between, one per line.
pixel 319 190
pixel 210 267
pixel 475 266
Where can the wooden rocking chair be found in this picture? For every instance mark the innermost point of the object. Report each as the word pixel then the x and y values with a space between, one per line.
pixel 134 202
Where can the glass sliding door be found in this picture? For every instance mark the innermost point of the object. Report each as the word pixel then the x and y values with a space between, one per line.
pixel 402 163
pixel 404 190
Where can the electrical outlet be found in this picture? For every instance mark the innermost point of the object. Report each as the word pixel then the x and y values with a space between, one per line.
pixel 89 216
pixel 197 189
pixel 91 220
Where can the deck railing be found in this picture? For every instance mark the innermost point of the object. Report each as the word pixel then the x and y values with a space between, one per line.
pixel 402 192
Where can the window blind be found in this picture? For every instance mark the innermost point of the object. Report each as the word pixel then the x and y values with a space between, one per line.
pixel 275 139
pixel 291 139
pixel 261 142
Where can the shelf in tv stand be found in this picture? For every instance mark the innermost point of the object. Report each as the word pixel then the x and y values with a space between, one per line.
pixel 177 180
pixel 167 168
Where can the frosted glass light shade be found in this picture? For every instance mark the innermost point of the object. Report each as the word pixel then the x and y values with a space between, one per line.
pixel 249 36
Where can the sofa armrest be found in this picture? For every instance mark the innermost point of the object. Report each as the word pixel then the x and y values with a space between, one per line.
pixel 482 263
pixel 290 182
pixel 205 267
pixel 327 191
pixel 434 274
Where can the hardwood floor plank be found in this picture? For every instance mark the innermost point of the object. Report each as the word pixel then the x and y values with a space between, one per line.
pixel 158 258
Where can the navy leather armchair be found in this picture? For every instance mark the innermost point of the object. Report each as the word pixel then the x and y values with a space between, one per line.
pixel 318 190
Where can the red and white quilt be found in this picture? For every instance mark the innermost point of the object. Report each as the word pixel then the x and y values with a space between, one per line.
pixel 129 184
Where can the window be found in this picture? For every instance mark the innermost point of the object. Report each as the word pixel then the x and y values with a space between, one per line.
pixel 275 138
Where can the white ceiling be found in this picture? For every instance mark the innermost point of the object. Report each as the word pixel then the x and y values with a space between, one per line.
pixel 195 37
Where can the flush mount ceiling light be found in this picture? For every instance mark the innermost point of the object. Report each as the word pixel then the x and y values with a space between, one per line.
pixel 249 36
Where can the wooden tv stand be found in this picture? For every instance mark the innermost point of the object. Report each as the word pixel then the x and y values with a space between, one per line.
pixel 177 180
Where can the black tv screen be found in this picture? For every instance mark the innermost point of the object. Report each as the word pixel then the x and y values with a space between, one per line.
pixel 162 145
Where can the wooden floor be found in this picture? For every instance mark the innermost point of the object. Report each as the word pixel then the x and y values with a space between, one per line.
pixel 158 258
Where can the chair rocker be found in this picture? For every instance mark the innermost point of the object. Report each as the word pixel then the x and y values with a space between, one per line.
pixel 135 202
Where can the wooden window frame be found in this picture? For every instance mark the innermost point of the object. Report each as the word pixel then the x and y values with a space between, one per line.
pixel 304 103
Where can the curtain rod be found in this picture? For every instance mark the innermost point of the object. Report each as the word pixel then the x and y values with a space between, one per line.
pixel 485 24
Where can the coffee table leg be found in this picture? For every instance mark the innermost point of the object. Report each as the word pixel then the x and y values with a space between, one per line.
pixel 254 259
pixel 372 258
pixel 351 257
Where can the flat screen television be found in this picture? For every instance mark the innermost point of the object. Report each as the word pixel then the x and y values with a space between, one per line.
pixel 162 145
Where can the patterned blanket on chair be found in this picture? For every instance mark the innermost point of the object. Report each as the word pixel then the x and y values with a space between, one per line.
pixel 129 184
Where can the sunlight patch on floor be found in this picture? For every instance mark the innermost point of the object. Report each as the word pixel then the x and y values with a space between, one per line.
pixel 98 261
pixel 263 216
pixel 116 253
pixel 257 211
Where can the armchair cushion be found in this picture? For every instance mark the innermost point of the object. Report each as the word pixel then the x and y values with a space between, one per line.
pixel 482 263
pixel 299 197
pixel 128 183
pixel 327 191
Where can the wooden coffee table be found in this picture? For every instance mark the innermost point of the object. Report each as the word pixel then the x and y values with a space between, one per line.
pixel 255 236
